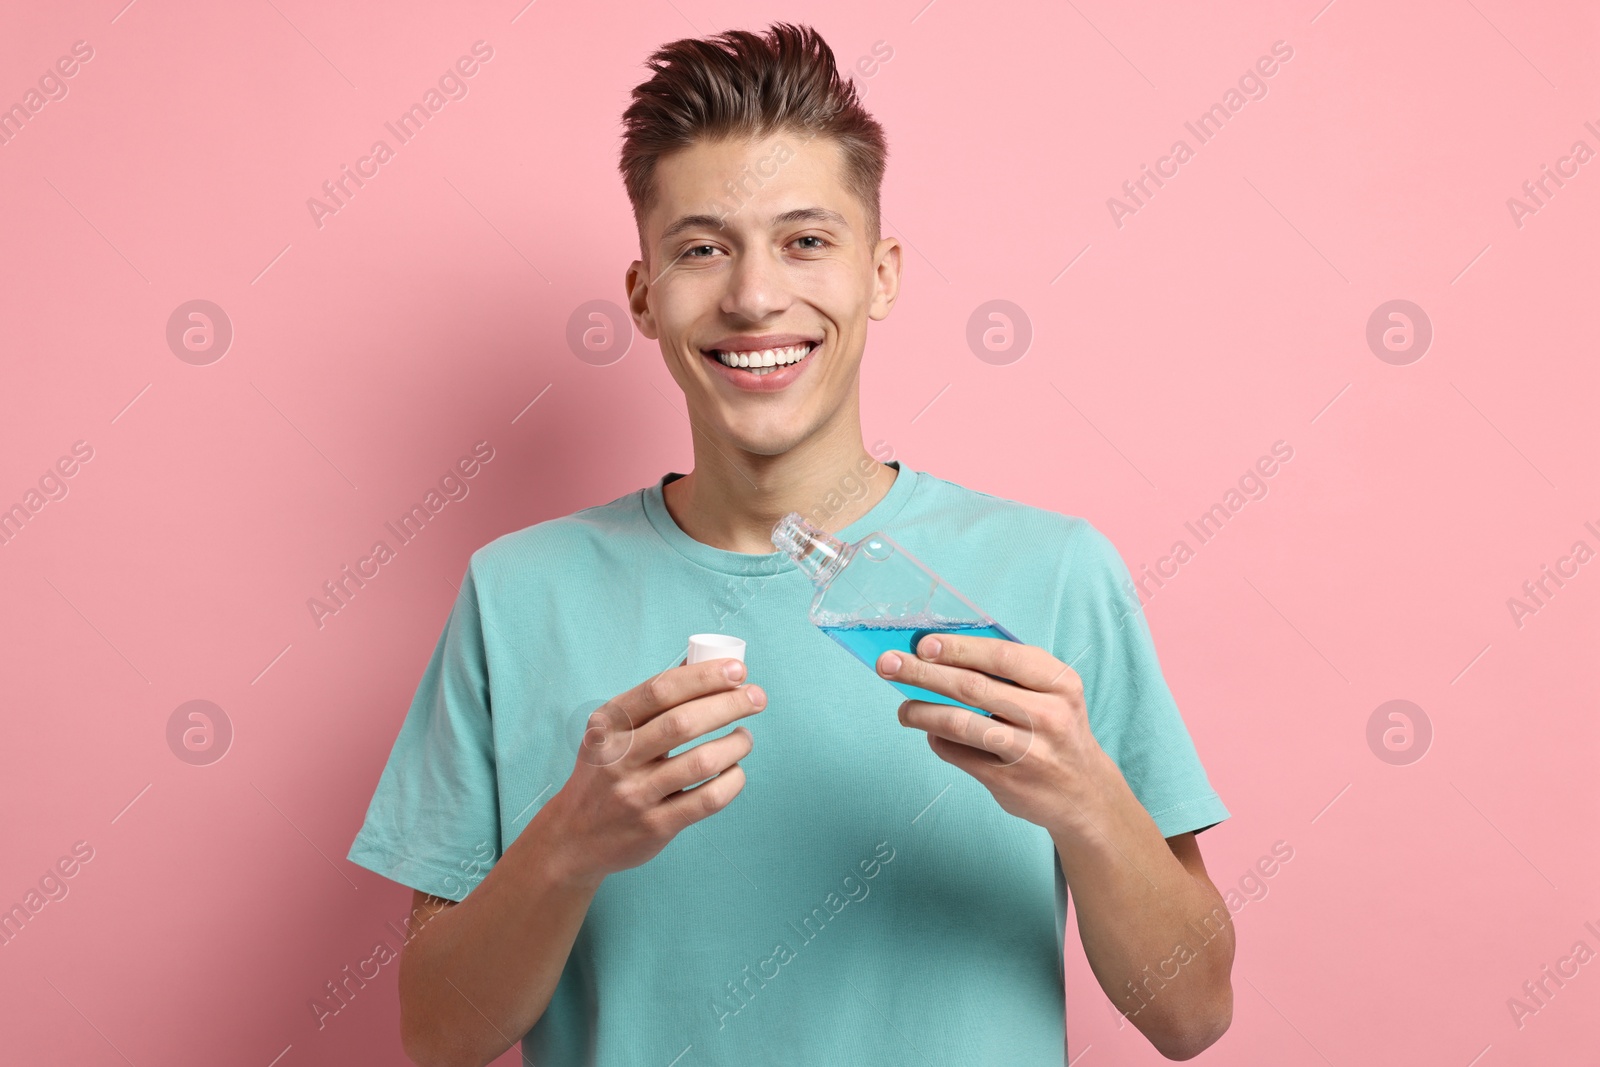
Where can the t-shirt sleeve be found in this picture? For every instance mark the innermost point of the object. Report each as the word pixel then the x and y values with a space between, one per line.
pixel 1106 639
pixel 434 820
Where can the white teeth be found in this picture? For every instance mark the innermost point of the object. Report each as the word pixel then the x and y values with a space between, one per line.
pixel 769 357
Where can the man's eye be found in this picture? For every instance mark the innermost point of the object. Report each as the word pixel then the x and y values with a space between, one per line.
pixel 690 252
pixel 813 237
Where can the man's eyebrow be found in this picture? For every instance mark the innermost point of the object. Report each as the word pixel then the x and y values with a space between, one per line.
pixel 788 218
pixel 811 214
pixel 691 222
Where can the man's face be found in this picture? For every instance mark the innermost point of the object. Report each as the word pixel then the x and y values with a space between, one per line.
pixel 754 247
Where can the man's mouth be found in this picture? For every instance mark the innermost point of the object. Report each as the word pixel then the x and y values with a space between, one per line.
pixel 762 362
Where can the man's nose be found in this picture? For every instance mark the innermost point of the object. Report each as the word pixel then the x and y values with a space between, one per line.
pixel 755 285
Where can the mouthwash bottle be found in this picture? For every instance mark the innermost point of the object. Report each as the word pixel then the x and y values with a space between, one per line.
pixel 873 596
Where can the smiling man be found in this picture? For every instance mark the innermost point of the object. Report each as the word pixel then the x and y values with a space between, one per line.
pixel 623 859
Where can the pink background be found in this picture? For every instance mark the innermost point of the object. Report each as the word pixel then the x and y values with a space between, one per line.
pixel 1228 313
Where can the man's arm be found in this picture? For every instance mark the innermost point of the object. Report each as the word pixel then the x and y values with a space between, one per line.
pixel 1154 928
pixel 483 971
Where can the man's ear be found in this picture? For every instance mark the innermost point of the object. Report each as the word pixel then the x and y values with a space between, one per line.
pixel 636 284
pixel 886 264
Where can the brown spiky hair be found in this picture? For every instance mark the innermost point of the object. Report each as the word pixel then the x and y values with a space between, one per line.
pixel 742 85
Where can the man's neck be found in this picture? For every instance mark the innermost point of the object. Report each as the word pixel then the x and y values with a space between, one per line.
pixel 732 499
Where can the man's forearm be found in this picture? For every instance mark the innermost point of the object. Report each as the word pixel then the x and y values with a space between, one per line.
pixel 1159 941
pixel 484 970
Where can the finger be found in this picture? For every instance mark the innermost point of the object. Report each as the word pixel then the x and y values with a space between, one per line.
pixel 946 721
pixel 999 741
pixel 971 687
pixel 705 760
pixel 681 809
pixel 673 686
pixel 975 763
pixel 693 718
pixel 1028 666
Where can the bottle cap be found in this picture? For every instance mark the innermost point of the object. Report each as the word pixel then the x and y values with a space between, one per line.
pixel 714 646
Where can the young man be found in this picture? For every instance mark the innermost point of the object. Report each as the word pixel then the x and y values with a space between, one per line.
pixel 846 883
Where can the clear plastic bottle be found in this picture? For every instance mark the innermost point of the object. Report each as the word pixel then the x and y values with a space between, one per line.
pixel 873 596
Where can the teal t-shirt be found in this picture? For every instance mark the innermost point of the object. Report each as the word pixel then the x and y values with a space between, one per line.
pixel 860 900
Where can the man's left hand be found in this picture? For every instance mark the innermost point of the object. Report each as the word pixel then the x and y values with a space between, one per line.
pixel 1035 752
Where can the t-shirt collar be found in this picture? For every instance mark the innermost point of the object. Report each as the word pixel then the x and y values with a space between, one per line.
pixel 772 563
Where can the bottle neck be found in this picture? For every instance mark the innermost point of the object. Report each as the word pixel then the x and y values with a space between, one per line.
pixel 815 551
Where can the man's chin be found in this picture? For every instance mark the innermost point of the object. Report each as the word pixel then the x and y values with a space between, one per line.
pixel 761 439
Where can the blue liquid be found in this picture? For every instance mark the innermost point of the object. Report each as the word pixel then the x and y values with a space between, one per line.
pixel 866 642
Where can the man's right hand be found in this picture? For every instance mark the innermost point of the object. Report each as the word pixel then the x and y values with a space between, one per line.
pixel 625 798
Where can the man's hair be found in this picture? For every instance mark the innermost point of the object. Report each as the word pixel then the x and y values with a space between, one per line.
pixel 741 85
